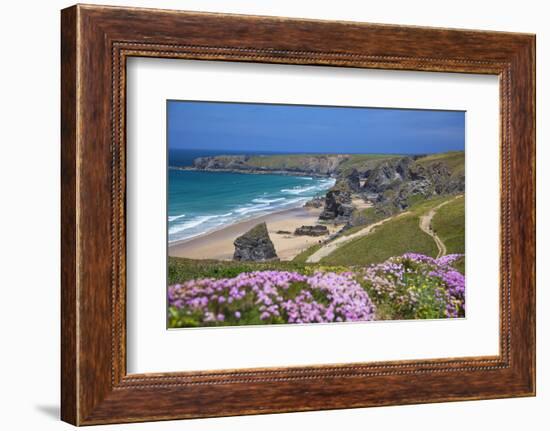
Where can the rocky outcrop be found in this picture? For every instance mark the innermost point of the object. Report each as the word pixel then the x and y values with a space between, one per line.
pixel 317 230
pixel 338 200
pixel 437 174
pixel 390 183
pixel 316 202
pixel 221 163
pixel 344 213
pixel 337 205
pixel 401 198
pixel 255 245
pixel 384 176
pixel 456 184
pixel 350 180
pixel 396 182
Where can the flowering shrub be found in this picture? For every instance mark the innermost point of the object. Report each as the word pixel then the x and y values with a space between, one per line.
pixel 269 297
pixel 412 286
pixel 415 286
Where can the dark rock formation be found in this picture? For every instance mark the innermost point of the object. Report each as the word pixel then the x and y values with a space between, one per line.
pixel 403 168
pixel 255 245
pixel 396 182
pixel 456 184
pixel 344 213
pixel 283 232
pixel 315 202
pixel 222 163
pixel 317 230
pixel 384 176
pixel 401 199
pixel 350 181
pixel 437 174
pixel 337 204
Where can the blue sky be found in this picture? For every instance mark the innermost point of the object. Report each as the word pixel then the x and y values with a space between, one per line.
pixel 312 129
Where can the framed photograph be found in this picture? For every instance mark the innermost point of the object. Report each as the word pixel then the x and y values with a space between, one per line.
pixel 322 214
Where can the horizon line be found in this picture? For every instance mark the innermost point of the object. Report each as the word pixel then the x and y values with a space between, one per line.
pixel 310 152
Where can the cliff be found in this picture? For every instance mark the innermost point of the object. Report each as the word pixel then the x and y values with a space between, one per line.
pixel 293 164
pixel 393 185
pixel 389 183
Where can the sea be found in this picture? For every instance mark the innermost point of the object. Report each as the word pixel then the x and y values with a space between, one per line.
pixel 200 202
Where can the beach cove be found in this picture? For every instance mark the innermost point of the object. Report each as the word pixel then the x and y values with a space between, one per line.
pixel 206 204
pixel 218 244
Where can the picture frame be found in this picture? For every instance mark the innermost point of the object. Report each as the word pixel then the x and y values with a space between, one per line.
pixel 96 42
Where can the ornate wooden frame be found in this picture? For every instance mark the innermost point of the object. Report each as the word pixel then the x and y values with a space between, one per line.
pixel 95 42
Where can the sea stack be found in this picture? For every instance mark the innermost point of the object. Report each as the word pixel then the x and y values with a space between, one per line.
pixel 255 245
pixel 338 205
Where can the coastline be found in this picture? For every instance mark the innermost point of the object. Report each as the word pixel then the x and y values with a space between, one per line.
pixel 218 244
pixel 254 172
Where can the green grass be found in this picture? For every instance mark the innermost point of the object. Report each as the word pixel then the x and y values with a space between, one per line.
pixel 302 257
pixel 359 161
pixel 182 269
pixel 393 238
pixel 448 223
pixel 363 218
pixel 425 205
pixel 367 216
pixel 354 229
pixel 403 234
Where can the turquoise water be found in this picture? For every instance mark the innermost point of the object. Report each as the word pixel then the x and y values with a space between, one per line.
pixel 200 202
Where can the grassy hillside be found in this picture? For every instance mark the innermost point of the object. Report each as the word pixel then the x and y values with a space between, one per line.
pixel 400 236
pixel 448 223
pixel 364 161
pixel 282 161
pixel 393 238
pixel 302 257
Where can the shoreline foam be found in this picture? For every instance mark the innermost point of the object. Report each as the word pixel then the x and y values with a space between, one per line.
pixel 186 222
pixel 218 244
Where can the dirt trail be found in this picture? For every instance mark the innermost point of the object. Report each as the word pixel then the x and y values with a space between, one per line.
pixel 328 248
pixel 426 226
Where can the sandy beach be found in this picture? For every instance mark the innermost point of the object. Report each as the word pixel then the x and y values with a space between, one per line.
pixel 219 244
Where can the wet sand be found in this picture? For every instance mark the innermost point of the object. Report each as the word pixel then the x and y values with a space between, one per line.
pixel 219 244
